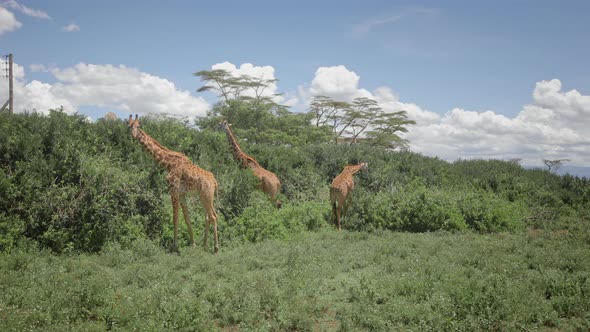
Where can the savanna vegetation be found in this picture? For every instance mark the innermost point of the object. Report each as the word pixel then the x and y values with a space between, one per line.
pixel 85 231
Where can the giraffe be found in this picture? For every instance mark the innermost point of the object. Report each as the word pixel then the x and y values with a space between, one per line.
pixel 183 178
pixel 269 182
pixel 341 190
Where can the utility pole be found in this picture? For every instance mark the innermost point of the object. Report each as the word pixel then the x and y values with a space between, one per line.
pixel 10 101
pixel 10 87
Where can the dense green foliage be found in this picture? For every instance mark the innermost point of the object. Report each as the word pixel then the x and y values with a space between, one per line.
pixel 264 122
pixel 324 281
pixel 480 245
pixel 69 184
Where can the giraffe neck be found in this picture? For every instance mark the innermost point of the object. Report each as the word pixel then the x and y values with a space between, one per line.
pixel 352 169
pixel 239 155
pixel 165 157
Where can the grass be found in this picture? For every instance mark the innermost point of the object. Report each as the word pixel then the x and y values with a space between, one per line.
pixel 325 281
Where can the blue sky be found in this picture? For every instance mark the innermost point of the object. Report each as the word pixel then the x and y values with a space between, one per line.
pixel 484 79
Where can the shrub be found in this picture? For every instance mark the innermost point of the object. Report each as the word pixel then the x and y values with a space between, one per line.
pixel 261 221
pixel 485 212
pixel 11 231
pixel 412 208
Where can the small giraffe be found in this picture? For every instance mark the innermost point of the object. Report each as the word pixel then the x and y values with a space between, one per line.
pixel 269 182
pixel 341 190
pixel 183 178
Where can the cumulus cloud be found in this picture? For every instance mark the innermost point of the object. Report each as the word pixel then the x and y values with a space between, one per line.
pixel 390 102
pixel 8 21
pixel 107 86
pixel 71 28
pixel 338 83
pixel 342 84
pixel 26 10
pixel 553 126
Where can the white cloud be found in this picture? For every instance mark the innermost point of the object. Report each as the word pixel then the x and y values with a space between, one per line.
pixel 37 67
pixel 71 28
pixel 263 72
pixel 26 10
pixel 342 84
pixel 363 28
pixel 7 21
pixel 40 97
pixel 553 126
pixel 390 102
pixel 337 82
pixel 113 87
pixel 18 72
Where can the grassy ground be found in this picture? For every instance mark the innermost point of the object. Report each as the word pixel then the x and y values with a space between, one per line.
pixel 323 281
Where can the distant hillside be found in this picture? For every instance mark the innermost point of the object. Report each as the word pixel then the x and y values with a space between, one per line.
pixel 578 171
pixel 574 170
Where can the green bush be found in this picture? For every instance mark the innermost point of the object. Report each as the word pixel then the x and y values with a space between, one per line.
pixel 69 184
pixel 413 208
pixel 484 212
pixel 11 232
pixel 261 221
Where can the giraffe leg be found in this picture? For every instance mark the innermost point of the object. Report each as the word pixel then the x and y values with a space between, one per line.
pixel 339 212
pixel 273 199
pixel 333 214
pixel 175 204
pixel 187 218
pixel 212 216
pixel 216 239
pixel 278 203
pixel 206 232
pixel 346 204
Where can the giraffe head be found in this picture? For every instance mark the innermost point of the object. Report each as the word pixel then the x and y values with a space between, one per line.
pixel 223 125
pixel 361 166
pixel 133 125
pixel 364 166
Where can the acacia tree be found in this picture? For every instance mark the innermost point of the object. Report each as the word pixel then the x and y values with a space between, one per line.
pixel 387 127
pixel 338 118
pixel 344 118
pixel 235 91
pixel 232 87
pixel 258 85
pixel 326 112
pixel 219 80
pixel 554 164
pixel 362 117
pixel 515 161
pixel 245 102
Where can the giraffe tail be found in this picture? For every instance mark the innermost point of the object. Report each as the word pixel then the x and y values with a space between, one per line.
pixel 334 203
pixel 334 214
pixel 216 200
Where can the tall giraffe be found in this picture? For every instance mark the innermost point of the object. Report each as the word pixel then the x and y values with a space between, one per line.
pixel 269 182
pixel 341 190
pixel 183 178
